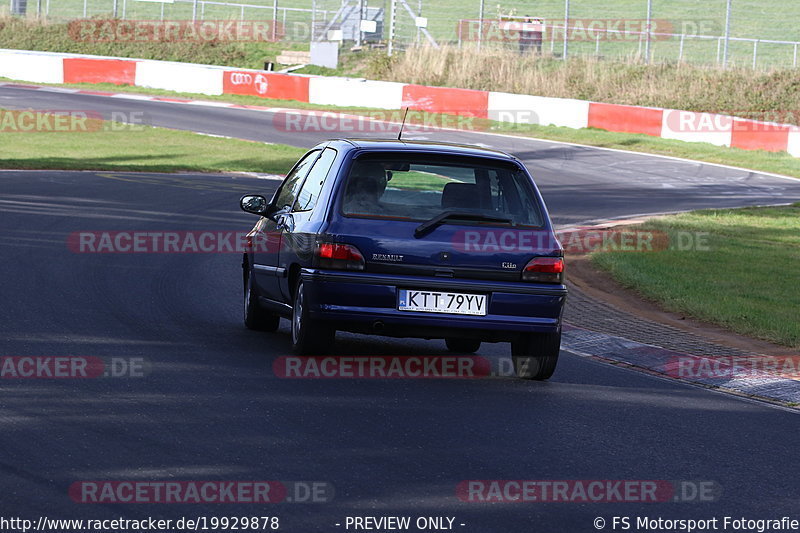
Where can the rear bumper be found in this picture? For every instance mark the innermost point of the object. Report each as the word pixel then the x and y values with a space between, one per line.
pixel 367 303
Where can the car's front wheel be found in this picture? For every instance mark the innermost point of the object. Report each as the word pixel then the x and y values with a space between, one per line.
pixel 535 355
pixel 309 336
pixel 455 344
pixel 255 317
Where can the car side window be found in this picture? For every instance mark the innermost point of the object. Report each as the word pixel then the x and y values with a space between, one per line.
pixel 309 192
pixel 291 185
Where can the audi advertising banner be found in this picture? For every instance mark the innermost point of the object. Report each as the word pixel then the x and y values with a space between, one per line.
pixel 266 85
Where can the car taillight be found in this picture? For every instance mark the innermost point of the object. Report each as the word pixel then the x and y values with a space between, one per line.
pixel 339 256
pixel 544 270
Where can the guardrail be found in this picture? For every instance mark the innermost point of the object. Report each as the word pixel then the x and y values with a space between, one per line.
pixel 558 39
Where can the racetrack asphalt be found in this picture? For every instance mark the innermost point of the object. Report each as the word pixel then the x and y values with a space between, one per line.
pixel 211 406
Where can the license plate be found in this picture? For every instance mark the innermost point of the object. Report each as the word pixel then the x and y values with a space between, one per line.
pixel 455 303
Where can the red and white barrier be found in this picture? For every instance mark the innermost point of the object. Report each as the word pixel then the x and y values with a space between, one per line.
pixel 349 92
pixel 697 127
pixel 541 110
pixel 794 142
pixel 265 84
pixel 31 66
pixel 179 77
pixel 720 130
pixel 464 102
pixel 626 118
pixel 754 135
pixel 91 70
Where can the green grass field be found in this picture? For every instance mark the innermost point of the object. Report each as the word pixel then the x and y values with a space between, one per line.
pixel 756 19
pixel 112 146
pixel 746 280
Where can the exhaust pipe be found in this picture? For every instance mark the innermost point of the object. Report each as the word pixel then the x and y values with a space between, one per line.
pixel 378 326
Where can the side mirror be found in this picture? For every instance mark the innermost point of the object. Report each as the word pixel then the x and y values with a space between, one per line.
pixel 255 204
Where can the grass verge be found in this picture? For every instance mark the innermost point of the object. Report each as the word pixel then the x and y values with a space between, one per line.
pixel 113 146
pixel 745 278
pixel 33 34
pixel 774 162
pixel 54 36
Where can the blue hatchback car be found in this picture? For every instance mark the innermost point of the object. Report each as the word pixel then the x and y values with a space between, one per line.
pixel 408 239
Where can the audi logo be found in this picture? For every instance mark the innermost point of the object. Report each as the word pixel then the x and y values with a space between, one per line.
pixel 241 78
pixel 260 82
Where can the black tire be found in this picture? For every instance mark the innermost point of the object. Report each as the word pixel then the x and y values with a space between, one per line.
pixel 535 355
pixel 255 317
pixel 456 344
pixel 309 337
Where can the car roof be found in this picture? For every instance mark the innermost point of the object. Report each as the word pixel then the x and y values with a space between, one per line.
pixel 425 146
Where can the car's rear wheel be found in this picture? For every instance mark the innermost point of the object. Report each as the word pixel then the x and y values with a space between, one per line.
pixel 455 344
pixel 535 355
pixel 309 336
pixel 255 317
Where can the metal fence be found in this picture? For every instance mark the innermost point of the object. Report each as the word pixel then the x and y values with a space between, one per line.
pixel 754 33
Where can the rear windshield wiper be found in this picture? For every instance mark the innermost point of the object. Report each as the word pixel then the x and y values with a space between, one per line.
pixel 429 225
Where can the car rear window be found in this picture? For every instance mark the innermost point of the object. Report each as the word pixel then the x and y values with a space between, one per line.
pixel 423 186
